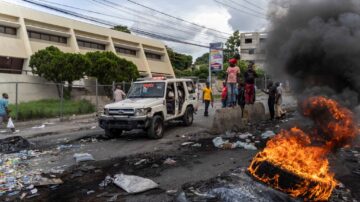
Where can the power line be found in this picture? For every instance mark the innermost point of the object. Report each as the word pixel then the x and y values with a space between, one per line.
pixel 107 23
pixel 243 11
pixel 253 10
pixel 171 16
pixel 169 26
pixel 126 19
pixel 104 22
pixel 254 5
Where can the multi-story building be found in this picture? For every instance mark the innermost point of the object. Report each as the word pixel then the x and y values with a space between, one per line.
pixel 23 31
pixel 253 47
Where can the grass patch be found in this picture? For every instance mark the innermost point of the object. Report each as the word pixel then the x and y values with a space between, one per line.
pixel 50 109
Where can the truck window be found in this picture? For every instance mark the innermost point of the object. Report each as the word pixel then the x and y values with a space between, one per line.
pixel 190 86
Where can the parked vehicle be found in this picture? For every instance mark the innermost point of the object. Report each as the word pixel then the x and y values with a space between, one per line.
pixel 149 104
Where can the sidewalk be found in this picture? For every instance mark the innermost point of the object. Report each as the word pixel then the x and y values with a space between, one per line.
pixel 38 128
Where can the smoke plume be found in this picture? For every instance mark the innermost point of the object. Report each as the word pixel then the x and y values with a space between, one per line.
pixel 316 45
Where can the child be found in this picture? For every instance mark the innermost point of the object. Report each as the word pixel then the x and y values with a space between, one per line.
pixel 224 95
pixel 207 98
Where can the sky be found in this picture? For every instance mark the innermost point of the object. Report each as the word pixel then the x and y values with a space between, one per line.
pixel 224 15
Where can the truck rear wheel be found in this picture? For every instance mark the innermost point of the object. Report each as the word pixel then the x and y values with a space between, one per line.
pixel 156 129
pixel 113 133
pixel 188 117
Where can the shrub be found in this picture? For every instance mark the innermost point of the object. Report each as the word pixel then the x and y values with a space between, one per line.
pixel 50 108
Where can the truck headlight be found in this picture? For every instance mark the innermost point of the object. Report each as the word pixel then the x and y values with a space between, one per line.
pixel 142 112
pixel 106 111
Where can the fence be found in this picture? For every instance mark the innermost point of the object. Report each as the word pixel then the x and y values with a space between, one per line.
pixel 44 100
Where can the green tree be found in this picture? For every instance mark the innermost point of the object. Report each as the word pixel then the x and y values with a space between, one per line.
pixel 202 72
pixel 231 45
pixel 204 59
pixel 179 61
pixel 59 67
pixel 108 67
pixel 122 28
pixel 183 73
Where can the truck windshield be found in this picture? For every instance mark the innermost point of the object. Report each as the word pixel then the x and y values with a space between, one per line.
pixel 147 90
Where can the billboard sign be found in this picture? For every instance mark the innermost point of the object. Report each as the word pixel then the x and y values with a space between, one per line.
pixel 216 57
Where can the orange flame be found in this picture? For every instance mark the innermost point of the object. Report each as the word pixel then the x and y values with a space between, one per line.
pixel 294 151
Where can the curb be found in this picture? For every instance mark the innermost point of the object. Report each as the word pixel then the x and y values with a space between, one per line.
pixel 55 120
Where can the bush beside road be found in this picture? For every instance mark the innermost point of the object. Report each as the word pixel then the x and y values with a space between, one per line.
pixel 50 109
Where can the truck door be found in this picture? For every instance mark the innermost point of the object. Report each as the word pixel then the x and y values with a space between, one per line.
pixel 170 100
pixel 181 95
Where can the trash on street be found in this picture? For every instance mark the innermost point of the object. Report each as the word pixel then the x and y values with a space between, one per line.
pixel 267 134
pixel 81 157
pixel 39 127
pixel 134 184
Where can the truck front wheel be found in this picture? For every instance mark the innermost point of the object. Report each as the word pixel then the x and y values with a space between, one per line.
pixel 156 129
pixel 188 117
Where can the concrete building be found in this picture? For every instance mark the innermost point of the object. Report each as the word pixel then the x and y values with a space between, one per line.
pixel 23 31
pixel 252 47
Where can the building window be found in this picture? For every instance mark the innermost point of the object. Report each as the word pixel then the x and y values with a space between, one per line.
pixel 11 65
pixel 251 51
pixel 47 37
pixel 92 45
pixel 8 30
pixel 126 51
pixel 246 51
pixel 262 40
pixel 153 56
pixel 248 41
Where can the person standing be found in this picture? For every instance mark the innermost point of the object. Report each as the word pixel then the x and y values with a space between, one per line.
pixel 250 76
pixel 224 95
pixel 241 97
pixel 207 98
pixel 118 94
pixel 4 111
pixel 280 113
pixel 271 91
pixel 233 71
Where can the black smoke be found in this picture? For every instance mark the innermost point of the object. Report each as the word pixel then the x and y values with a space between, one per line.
pixel 316 45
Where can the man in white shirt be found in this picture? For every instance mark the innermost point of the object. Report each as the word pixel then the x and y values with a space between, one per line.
pixel 118 94
pixel 280 113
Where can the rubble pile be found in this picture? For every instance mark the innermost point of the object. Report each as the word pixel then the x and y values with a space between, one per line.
pixel 246 140
pixel 18 178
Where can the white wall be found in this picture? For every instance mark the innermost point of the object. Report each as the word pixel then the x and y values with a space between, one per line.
pixel 27 92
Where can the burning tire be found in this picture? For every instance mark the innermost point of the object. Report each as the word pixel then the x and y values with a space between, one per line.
pixel 290 183
pixel 296 162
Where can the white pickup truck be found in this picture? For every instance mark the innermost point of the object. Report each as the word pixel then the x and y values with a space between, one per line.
pixel 149 104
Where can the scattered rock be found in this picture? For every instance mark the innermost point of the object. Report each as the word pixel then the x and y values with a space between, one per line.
pixel 196 145
pixel 141 162
pixel 90 192
pixel 169 161
pixel 187 143
pixel 171 192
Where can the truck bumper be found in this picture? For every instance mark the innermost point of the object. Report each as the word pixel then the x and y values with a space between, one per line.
pixel 124 123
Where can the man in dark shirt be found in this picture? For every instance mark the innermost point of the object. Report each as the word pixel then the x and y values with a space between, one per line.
pixel 271 91
pixel 250 76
